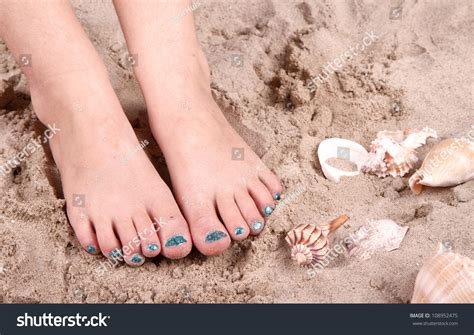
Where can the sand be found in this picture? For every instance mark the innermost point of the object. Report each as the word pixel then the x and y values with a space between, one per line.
pixel 417 72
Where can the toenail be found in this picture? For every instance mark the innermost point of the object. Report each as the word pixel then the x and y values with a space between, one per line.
pixel 277 196
pixel 153 247
pixel 115 254
pixel 239 230
pixel 91 249
pixel 137 259
pixel 267 210
pixel 175 241
pixel 215 236
pixel 257 225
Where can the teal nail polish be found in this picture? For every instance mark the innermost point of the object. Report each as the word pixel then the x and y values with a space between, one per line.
pixel 115 254
pixel 175 241
pixel 91 249
pixel 257 225
pixel 153 247
pixel 136 259
pixel 277 196
pixel 215 236
pixel 239 230
pixel 267 210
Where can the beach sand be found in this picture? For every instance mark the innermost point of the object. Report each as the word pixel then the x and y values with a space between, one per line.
pixel 417 72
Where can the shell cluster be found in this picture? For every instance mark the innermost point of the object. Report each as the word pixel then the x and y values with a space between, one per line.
pixel 448 277
pixel 449 163
pixel 309 243
pixel 393 152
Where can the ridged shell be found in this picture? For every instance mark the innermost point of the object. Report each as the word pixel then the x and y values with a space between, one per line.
pixel 446 278
pixel 393 152
pixel 449 163
pixel 309 242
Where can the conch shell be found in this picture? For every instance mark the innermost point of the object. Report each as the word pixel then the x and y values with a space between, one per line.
pixel 446 278
pixel 449 163
pixel 393 152
pixel 309 243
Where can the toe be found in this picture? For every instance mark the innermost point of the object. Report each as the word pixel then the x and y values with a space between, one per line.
pixel 231 216
pixel 209 235
pixel 108 242
pixel 149 241
pixel 249 211
pixel 130 240
pixel 262 197
pixel 272 182
pixel 84 232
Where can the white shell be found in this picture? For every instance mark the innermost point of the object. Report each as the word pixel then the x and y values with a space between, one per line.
pixel 374 236
pixel 393 152
pixel 446 278
pixel 449 163
pixel 329 149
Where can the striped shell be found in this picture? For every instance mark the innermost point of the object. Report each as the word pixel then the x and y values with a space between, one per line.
pixel 446 278
pixel 449 163
pixel 309 243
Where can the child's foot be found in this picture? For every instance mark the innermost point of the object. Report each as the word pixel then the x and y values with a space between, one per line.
pixel 221 185
pixel 116 201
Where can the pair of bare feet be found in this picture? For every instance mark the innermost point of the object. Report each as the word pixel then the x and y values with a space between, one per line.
pixel 126 209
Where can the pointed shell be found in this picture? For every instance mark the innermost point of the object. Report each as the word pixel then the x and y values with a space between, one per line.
pixel 393 152
pixel 449 163
pixel 337 147
pixel 309 243
pixel 446 278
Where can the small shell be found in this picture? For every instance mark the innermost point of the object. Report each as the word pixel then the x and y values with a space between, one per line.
pixel 342 149
pixel 309 242
pixel 374 236
pixel 393 152
pixel 449 163
pixel 446 278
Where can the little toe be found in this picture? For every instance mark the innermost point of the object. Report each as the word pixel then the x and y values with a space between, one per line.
pixel 84 231
pixel 131 244
pixel 250 212
pixel 233 219
pixel 262 197
pixel 272 182
pixel 149 241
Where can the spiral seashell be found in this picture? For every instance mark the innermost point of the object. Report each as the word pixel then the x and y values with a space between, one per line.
pixel 309 243
pixel 446 278
pixel 393 152
pixel 449 163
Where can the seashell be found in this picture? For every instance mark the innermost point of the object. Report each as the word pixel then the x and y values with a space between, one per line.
pixel 449 163
pixel 448 277
pixel 393 152
pixel 343 150
pixel 374 236
pixel 309 243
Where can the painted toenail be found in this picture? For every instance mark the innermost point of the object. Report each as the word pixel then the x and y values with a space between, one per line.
pixel 175 241
pixel 115 254
pixel 153 247
pixel 136 259
pixel 91 249
pixel 257 225
pixel 239 230
pixel 277 196
pixel 267 210
pixel 215 236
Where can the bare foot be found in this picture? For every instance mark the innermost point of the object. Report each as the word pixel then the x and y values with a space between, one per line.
pixel 116 201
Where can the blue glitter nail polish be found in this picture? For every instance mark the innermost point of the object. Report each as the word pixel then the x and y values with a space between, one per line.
pixel 136 259
pixel 277 196
pixel 215 236
pixel 91 249
pixel 257 225
pixel 175 241
pixel 153 247
pixel 115 254
pixel 267 210
pixel 239 230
